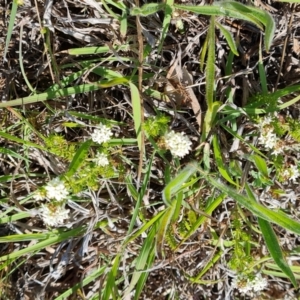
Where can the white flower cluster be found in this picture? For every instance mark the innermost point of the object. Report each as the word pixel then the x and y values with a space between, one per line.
pixel 178 143
pixel 55 189
pixel 101 134
pixel 54 215
pixel 245 285
pixel 292 173
pixel 268 138
pixel 101 160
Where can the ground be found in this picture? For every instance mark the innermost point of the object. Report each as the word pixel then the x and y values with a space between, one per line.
pixel 149 152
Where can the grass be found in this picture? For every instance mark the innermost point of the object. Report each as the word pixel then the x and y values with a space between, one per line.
pixel 181 200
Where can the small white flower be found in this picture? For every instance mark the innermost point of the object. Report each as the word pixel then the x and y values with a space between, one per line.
pixel 245 285
pixel 265 121
pixel 294 172
pixel 55 189
pixel 54 215
pixel 259 283
pixel 278 147
pixel 101 134
pixel 268 139
pixel 39 195
pixel 241 283
pixel 101 160
pixel 178 143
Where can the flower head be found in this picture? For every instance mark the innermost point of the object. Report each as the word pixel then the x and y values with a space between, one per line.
pixel 292 173
pixel 245 284
pixel 54 215
pixel 101 134
pixel 268 139
pixel 101 160
pixel 55 189
pixel 178 143
pixel 39 195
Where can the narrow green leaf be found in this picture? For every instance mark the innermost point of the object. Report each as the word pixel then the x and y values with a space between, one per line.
pixel 222 10
pixel 95 50
pixel 210 65
pixel 142 261
pixel 209 119
pixel 12 18
pixel 110 287
pixel 260 164
pixel 163 226
pixel 56 238
pixel 79 158
pixel 275 250
pixel 257 209
pixel 289 103
pixel 88 279
pixel 219 161
pixel 203 53
pixel 20 141
pixel 137 113
pixel 143 278
pixel 273 244
pixel 208 210
pixel 175 185
pixel 53 94
pixel 229 38
pixel 124 23
pixel 166 23
pixel 144 227
pixel 147 9
pixel 262 73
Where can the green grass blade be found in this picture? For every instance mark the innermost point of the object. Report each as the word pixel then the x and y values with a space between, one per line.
pixel 273 245
pixel 289 103
pixel 265 18
pixel 209 119
pixel 79 158
pixel 137 113
pixel 20 141
pixel 164 223
pixel 147 9
pixel 175 185
pixel 144 227
pixel 142 261
pixel 208 210
pixel 53 94
pixel 257 209
pixel 139 195
pixel 262 73
pixel 166 23
pixel 124 24
pixel 221 10
pixel 110 287
pixel 21 63
pixel 56 238
pixel 96 50
pixel 210 65
pixel 229 38
pixel 260 164
pixel 219 161
pixel 15 217
pixel 12 18
pixel 90 278
pixel 203 53
pixel 275 250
